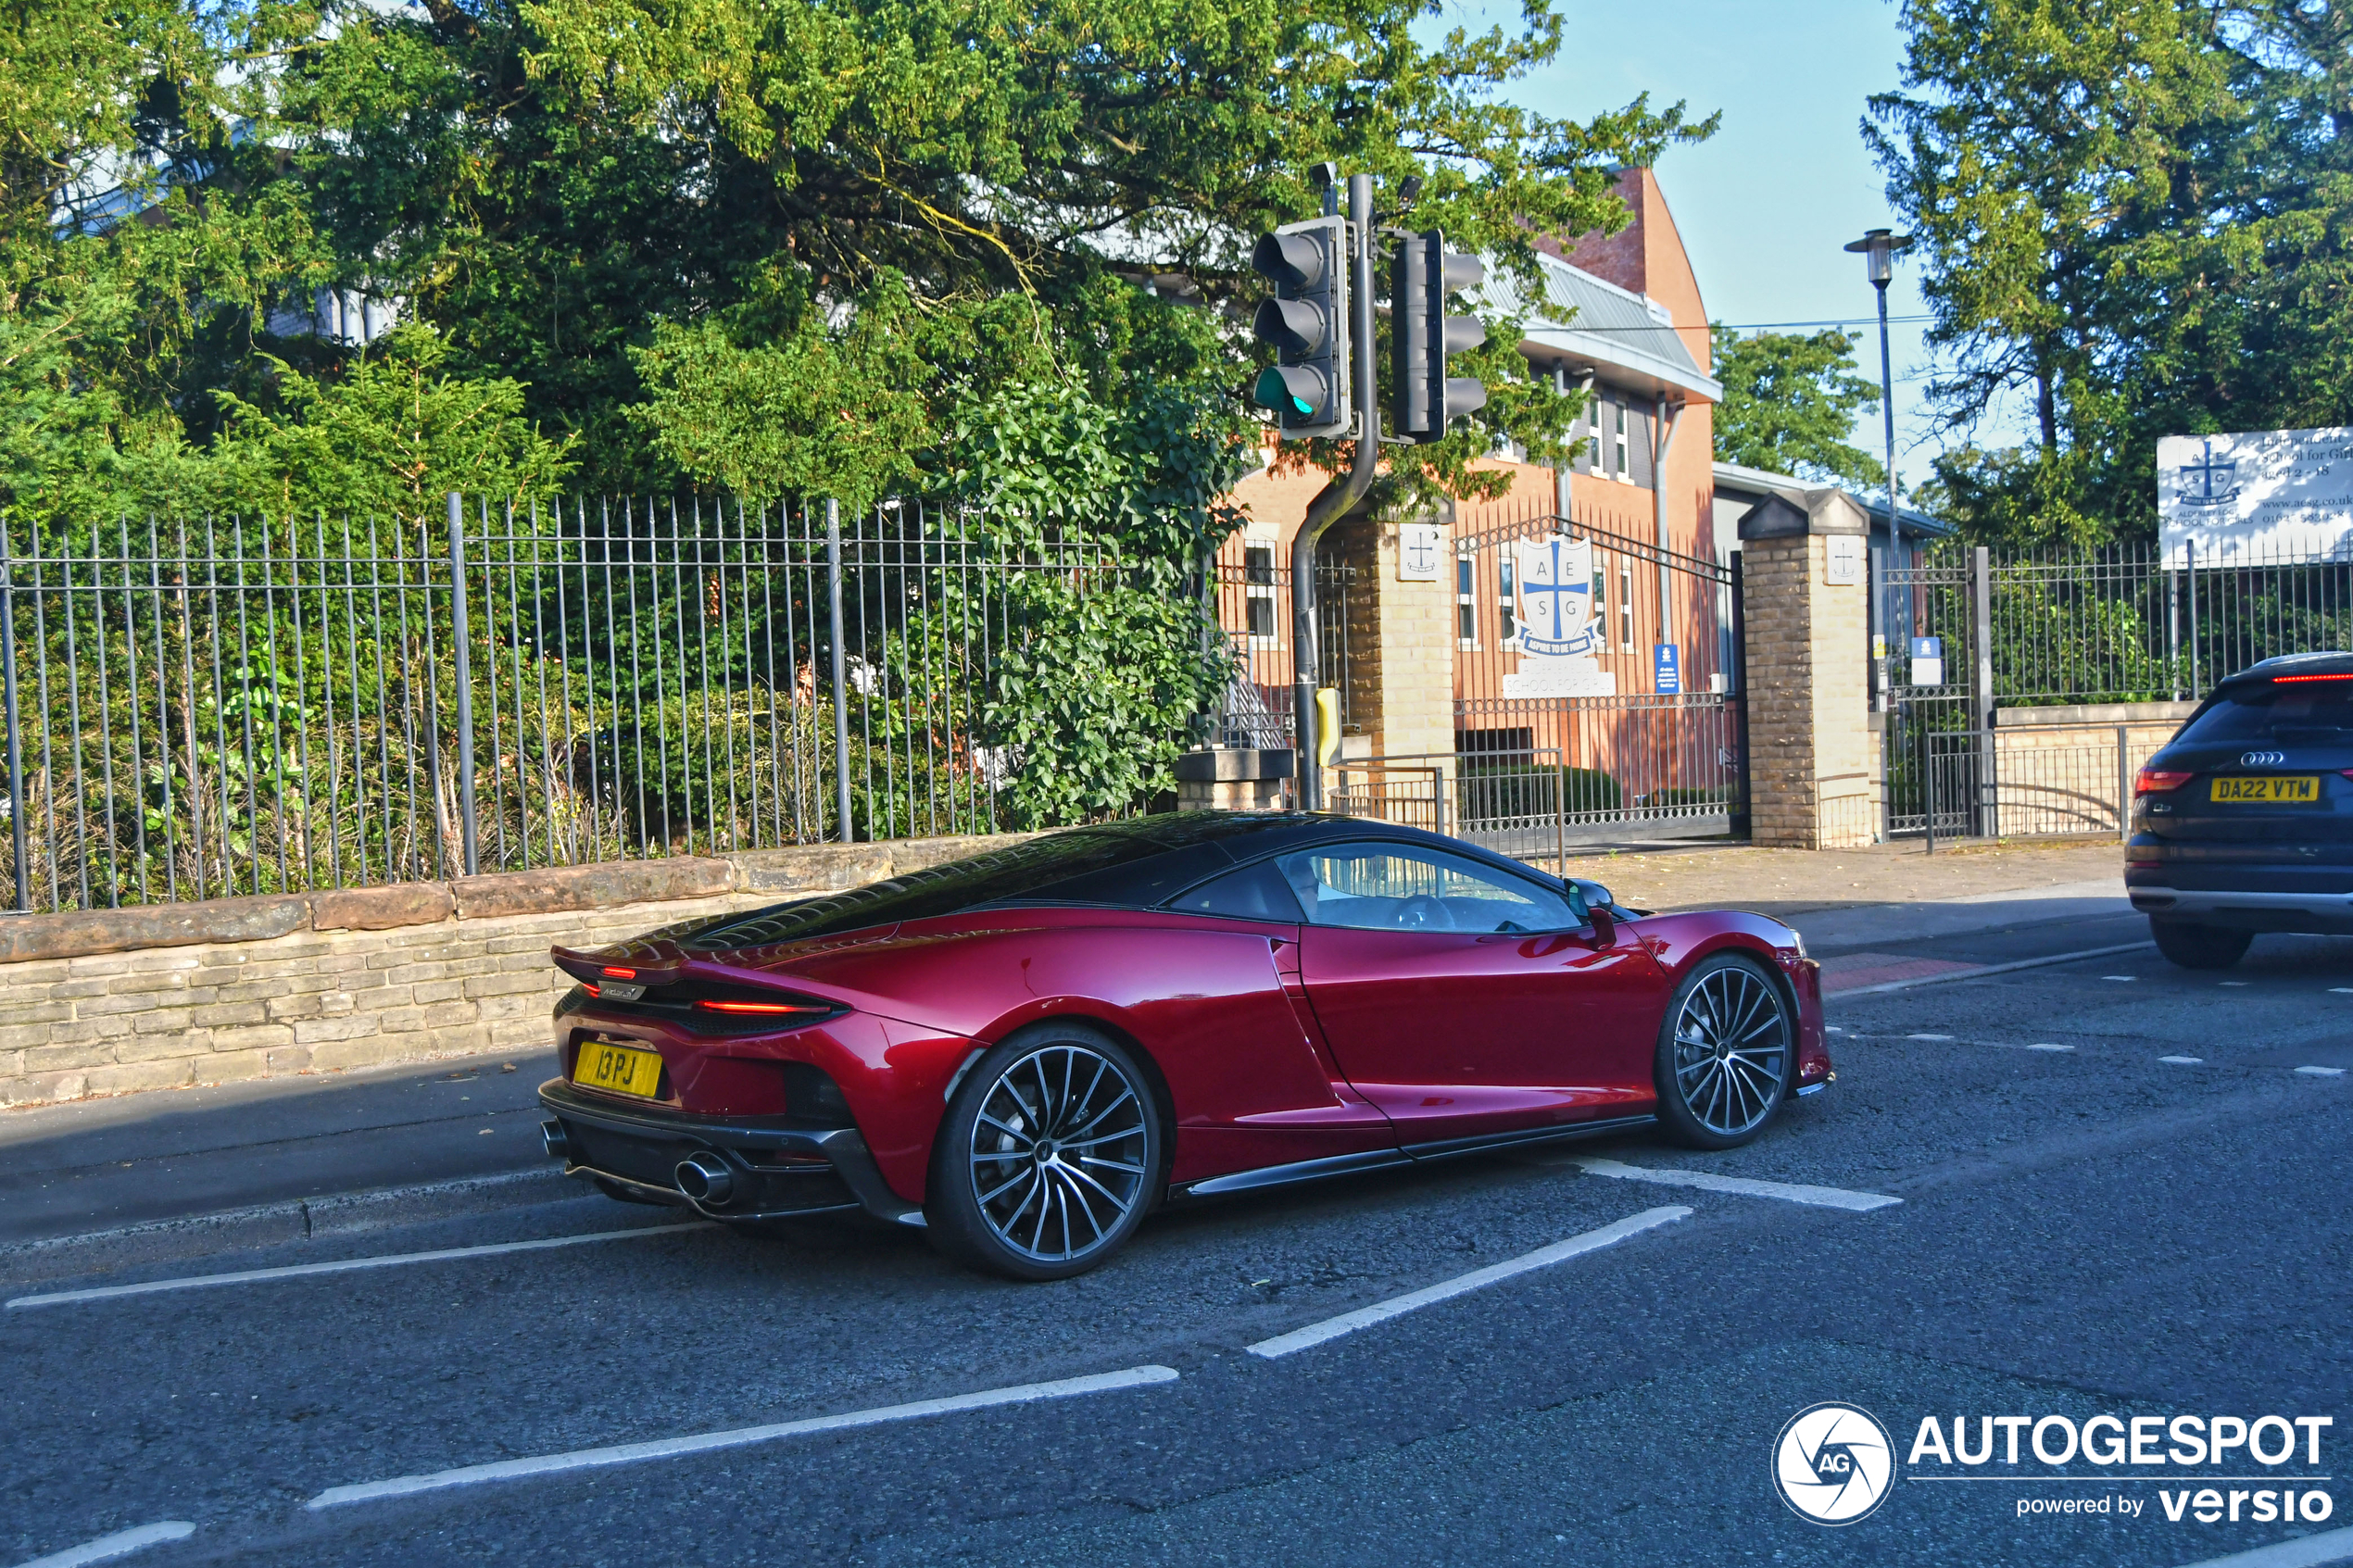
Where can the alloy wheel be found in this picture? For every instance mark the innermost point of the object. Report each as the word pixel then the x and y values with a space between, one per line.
pixel 1731 1049
pixel 1059 1149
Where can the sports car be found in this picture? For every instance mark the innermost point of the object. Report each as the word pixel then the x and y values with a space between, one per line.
pixel 1025 1052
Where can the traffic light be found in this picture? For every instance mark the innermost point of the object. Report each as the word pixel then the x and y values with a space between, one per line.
pixel 1307 323
pixel 1427 397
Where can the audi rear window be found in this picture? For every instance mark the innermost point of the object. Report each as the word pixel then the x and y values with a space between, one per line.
pixel 2288 712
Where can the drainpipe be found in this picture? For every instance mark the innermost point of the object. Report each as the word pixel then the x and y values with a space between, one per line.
pixel 1668 419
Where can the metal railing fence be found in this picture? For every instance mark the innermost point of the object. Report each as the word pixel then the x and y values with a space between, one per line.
pixel 2031 780
pixel 2133 624
pixel 237 706
pixel 1250 599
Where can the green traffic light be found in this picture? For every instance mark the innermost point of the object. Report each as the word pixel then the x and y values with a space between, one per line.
pixel 1274 392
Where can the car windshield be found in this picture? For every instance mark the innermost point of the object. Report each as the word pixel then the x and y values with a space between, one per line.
pixel 2310 712
pixel 1018 871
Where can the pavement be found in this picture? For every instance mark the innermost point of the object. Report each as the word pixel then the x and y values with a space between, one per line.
pixel 2051 1186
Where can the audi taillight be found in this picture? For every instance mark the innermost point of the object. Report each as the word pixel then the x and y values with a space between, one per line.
pixel 2282 680
pixel 2156 780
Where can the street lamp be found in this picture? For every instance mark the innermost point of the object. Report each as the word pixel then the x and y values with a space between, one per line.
pixel 1878 248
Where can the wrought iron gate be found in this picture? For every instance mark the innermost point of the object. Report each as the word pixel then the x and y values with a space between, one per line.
pixel 1651 747
pixel 1932 692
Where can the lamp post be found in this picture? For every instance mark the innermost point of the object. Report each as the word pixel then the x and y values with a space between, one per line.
pixel 1878 248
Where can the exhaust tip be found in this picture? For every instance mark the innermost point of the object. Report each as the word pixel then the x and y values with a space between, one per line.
pixel 705 1178
pixel 559 1142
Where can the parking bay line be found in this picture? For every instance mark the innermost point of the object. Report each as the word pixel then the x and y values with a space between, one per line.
pixel 122 1543
pixel 2310 1552
pixel 672 1447
pixel 1398 1306
pixel 343 1265
pixel 1788 1192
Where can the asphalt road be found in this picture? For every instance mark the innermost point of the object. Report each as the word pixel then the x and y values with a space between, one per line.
pixel 2084 1227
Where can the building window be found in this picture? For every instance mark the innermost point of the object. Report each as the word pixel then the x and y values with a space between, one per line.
pixel 1601 598
pixel 1624 609
pixel 1258 589
pixel 1621 455
pixel 1465 608
pixel 1507 599
pixel 1594 429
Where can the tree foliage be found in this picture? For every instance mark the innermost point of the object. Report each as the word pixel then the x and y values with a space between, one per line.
pixel 2133 220
pixel 1790 403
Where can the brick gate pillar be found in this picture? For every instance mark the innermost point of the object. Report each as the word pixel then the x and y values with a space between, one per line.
pixel 1401 650
pixel 1809 739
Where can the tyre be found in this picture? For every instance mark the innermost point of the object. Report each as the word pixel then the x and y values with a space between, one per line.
pixel 2200 946
pixel 1724 1051
pixel 1048 1157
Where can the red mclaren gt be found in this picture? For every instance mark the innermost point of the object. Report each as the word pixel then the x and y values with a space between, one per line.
pixel 1025 1051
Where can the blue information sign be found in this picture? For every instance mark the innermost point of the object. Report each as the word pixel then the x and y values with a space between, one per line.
pixel 1666 667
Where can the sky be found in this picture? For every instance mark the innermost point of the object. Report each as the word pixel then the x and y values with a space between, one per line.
pixel 1765 204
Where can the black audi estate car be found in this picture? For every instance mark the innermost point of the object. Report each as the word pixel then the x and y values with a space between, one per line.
pixel 2244 822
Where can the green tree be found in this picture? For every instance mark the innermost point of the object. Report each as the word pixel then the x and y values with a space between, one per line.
pixel 1789 403
pixel 390 435
pixel 2134 222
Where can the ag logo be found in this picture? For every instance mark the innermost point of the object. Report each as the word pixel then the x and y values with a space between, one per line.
pixel 1834 1463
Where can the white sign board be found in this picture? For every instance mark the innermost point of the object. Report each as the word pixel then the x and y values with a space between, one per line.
pixel 1842 560
pixel 2274 494
pixel 1417 553
pixel 1554 610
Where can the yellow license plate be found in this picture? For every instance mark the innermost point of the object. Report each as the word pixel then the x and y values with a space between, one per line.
pixel 618 1068
pixel 2267 790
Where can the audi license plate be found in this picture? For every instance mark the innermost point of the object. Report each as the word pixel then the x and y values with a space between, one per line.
pixel 618 1068
pixel 2267 791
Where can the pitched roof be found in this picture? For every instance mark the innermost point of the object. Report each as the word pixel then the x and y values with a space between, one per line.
pixel 1582 322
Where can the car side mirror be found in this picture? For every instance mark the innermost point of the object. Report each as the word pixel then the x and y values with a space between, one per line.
pixel 1589 902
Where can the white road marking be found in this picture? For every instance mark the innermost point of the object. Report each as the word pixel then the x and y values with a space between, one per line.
pixel 2230 983
pixel 671 1447
pixel 2050 1047
pixel 2322 1072
pixel 1928 1037
pixel 1983 970
pixel 2311 1551
pixel 2183 1061
pixel 1398 1306
pixel 120 1544
pixel 2119 977
pixel 2341 990
pixel 386 1260
pixel 1788 1192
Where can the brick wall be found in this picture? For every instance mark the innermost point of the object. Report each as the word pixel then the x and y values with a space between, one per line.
pixel 1811 756
pixel 174 994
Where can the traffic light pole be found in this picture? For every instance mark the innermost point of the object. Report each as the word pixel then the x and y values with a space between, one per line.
pixel 1337 499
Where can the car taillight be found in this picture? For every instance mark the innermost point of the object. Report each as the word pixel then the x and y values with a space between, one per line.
pixel 611 972
pixel 2282 680
pixel 2142 865
pixel 2156 781
pixel 762 1009
pixel 592 987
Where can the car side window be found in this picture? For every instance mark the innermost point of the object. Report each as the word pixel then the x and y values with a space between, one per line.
pixel 1405 887
pixel 1258 892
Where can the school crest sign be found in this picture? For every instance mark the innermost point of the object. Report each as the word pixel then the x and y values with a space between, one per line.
pixel 1558 636
pixel 2283 495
